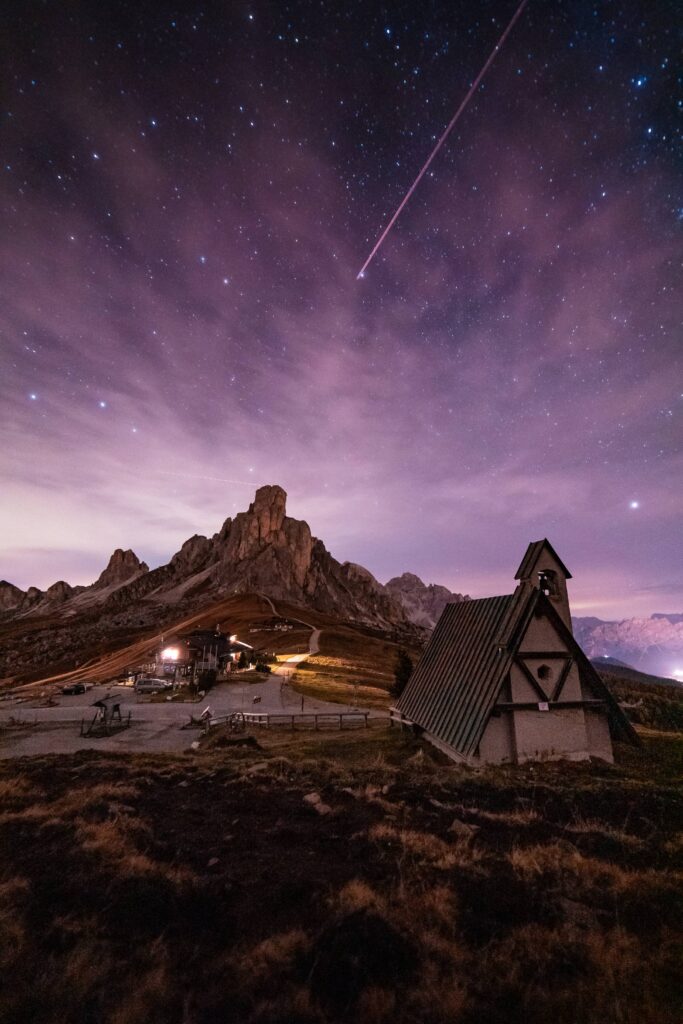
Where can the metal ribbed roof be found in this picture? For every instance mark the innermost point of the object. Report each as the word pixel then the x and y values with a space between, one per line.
pixel 459 676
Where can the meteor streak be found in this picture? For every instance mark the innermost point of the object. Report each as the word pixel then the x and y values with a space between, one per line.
pixel 473 88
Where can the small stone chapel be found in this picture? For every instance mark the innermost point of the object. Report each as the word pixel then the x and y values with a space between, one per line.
pixel 503 679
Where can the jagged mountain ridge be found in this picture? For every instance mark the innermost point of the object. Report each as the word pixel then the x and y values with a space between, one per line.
pixel 260 550
pixel 653 644
pixel 422 603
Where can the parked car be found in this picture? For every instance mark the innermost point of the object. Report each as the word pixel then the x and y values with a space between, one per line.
pixel 152 685
pixel 73 689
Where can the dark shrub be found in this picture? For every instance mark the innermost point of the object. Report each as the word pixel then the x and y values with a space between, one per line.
pixel 356 952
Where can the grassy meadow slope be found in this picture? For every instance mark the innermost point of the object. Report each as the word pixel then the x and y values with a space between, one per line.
pixel 647 701
pixel 342 876
pixel 354 666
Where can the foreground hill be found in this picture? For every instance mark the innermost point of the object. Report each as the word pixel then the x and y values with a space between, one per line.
pixel 340 877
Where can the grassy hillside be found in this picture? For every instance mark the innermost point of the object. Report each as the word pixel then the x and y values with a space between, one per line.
pixel 615 670
pixel 354 666
pixel 647 701
pixel 115 651
pixel 339 877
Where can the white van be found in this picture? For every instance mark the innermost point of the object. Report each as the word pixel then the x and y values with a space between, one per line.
pixel 152 685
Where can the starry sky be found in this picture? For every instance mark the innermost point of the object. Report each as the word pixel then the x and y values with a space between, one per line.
pixel 187 195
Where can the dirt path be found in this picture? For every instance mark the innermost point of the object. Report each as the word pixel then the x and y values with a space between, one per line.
pixel 313 641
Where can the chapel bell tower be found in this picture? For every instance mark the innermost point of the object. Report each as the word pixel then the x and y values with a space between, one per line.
pixel 545 570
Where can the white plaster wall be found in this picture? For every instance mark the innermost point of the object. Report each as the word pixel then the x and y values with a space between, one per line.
pixel 521 688
pixel 550 735
pixel 599 739
pixel 497 743
pixel 572 686
pixel 541 636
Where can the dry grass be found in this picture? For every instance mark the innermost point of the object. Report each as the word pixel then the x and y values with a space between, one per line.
pixel 312 679
pixel 352 667
pixel 196 889
pixel 424 847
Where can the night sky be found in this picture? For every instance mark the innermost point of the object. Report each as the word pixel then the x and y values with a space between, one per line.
pixel 188 194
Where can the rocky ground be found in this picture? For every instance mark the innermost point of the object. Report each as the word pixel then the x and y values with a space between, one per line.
pixel 340 877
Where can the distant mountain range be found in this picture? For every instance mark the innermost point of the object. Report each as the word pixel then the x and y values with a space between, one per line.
pixel 264 551
pixel 260 551
pixel 653 645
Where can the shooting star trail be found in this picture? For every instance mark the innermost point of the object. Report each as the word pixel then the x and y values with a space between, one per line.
pixel 473 88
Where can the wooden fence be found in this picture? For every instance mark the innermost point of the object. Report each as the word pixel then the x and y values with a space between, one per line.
pixel 311 720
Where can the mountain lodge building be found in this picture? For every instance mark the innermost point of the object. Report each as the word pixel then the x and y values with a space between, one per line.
pixel 503 680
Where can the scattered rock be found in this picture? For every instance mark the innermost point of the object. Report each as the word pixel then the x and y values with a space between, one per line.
pixel 461 828
pixel 315 801
pixel 578 913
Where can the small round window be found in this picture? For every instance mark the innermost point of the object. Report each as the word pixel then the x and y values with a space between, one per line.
pixel 544 672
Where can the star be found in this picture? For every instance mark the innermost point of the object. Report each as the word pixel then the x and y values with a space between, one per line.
pixel 513 316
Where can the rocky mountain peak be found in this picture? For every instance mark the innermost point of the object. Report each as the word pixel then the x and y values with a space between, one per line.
pixel 10 596
pixel 421 603
pixel 269 506
pixel 193 555
pixel 59 591
pixel 407 579
pixel 122 566
pixel 261 551
pixel 273 550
